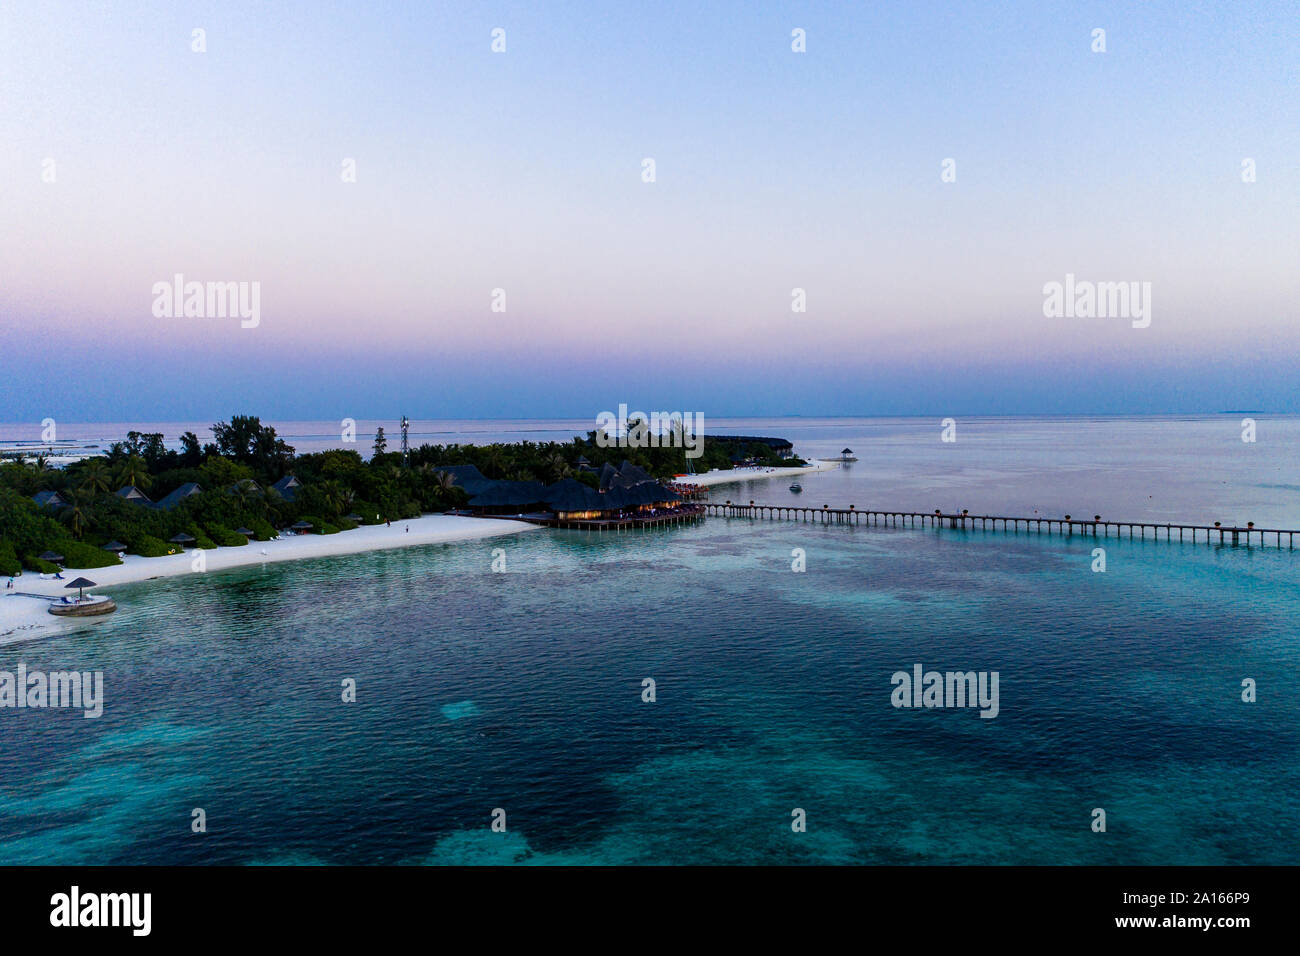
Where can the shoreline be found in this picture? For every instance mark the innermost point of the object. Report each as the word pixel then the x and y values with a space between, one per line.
pixel 749 474
pixel 25 617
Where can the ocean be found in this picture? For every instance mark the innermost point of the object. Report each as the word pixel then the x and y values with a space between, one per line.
pixel 523 691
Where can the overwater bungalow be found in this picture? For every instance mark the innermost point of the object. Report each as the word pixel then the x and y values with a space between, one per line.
pixel 629 496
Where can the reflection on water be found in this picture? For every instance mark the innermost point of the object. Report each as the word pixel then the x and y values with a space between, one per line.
pixel 523 691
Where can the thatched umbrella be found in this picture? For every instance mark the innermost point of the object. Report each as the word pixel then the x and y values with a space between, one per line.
pixel 53 557
pixel 355 517
pixel 80 584
pixel 300 526
pixel 182 539
pixel 115 546
pixel 245 532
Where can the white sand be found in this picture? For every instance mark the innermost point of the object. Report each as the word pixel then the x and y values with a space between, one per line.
pixel 717 477
pixel 21 616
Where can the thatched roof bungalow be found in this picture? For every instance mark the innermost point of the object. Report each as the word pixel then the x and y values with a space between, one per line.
pixel 468 478
pixel 510 497
pixel 134 495
pixel 179 495
pixel 49 499
pixel 288 487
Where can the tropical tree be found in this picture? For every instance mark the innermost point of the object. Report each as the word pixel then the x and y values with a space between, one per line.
pixel 96 476
pixel 493 461
pixel 250 496
pixel 556 466
pixel 247 440
pixel 76 514
pixel 134 471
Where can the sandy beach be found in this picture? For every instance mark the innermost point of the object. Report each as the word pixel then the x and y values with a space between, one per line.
pixel 24 616
pixel 749 474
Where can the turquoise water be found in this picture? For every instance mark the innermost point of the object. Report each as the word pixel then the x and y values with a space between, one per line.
pixel 522 691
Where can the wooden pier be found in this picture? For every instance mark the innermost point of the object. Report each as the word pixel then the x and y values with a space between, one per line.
pixel 1068 526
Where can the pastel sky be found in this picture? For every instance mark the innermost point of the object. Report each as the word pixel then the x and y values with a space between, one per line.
pixel 522 171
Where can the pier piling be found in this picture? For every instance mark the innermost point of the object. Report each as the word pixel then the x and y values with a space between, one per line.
pixel 964 521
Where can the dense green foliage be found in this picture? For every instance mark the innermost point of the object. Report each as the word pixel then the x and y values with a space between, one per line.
pixel 236 472
pixel 224 537
pixel 147 546
pixel 550 461
pixel 80 555
pixel 9 563
pixel 319 526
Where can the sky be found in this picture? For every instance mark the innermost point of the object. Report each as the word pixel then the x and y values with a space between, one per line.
pixel 128 157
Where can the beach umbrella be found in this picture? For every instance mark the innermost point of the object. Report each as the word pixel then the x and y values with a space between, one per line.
pixel 300 526
pixel 182 539
pixel 115 545
pixel 53 557
pixel 244 531
pixel 355 517
pixel 80 584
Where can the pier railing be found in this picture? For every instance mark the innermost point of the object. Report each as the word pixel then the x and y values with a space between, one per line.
pixel 1068 526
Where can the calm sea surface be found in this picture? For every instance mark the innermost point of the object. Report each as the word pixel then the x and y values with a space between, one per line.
pixel 1161 469
pixel 522 690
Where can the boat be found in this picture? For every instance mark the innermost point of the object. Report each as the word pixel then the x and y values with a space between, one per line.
pixel 796 487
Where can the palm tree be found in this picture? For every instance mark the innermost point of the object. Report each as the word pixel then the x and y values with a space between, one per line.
pixel 331 493
pixel 95 477
pixel 135 472
pixel 251 497
pixel 76 515
pixel 494 461
pixel 556 466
